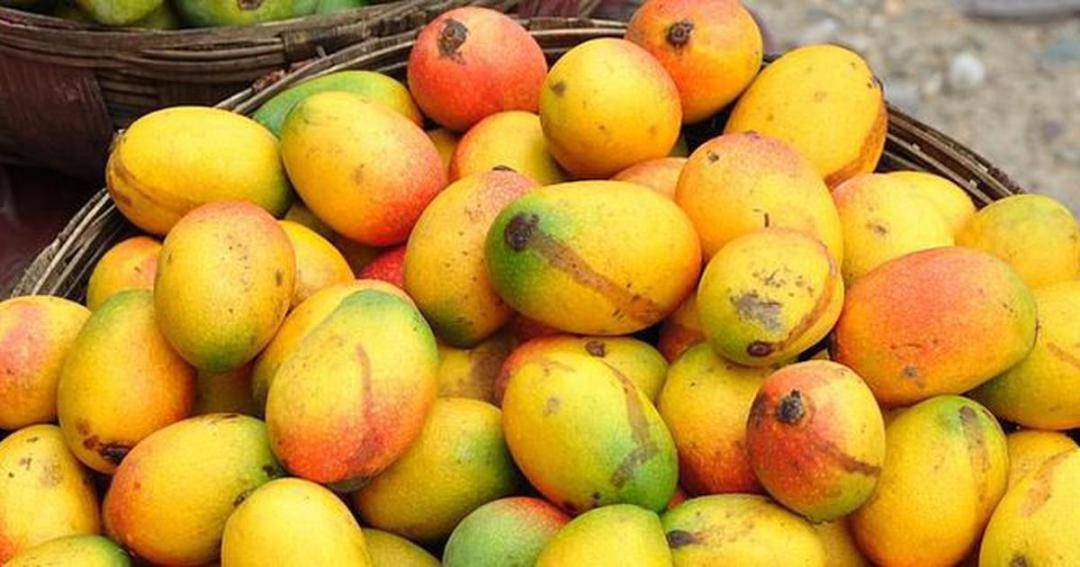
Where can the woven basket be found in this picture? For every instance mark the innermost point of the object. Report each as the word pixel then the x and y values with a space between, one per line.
pixel 65 87
pixel 65 265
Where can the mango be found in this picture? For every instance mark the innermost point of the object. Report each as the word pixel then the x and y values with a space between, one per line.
pixel 225 392
pixel 593 257
pixel 816 439
pixel 506 140
pixel 447 277
pixel 210 13
pixel 458 463
pixel 585 436
pixel 354 394
pixel 642 364
pixel 1042 390
pixel 951 202
pixel 388 266
pixel 824 101
pixel 712 50
pixel 300 214
pixel 660 174
pixel 620 535
pixel 908 327
pixel 224 284
pixel 840 547
pixel 445 143
pixel 508 531
pixel 82 550
pixel 118 13
pixel 882 221
pixel 106 406
pixel 318 263
pixel 1037 522
pixel 389 550
pixel 320 529
pixel 372 86
pixel 740 529
pixel 606 105
pixel 472 373
pixel 945 469
pixel 1030 448
pixel 163 18
pixel 769 295
pixel 170 498
pixel 360 167
pixel 736 184
pixel 130 264
pixel 36 334
pixel 472 62
pixel 681 330
pixel 169 162
pixel 45 492
pixel 705 403
pixel 1035 234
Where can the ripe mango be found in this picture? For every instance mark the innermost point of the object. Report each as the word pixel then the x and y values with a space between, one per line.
pixel 508 531
pixel 1035 234
pixel 389 550
pixel 45 492
pixel 318 263
pixel 882 221
pixel 1042 390
pixel 585 436
pixel 1030 448
pixel 952 202
pixel 170 498
pixel 360 167
pixel 130 264
pixel 593 257
pixel 705 403
pixel 472 373
pixel 36 334
pixel 81 550
pixel 739 183
pixel 712 50
pixel 447 276
pixel 224 284
pixel 660 174
pixel 459 462
pixel 939 321
pixel 945 469
pixel 769 295
pixel 170 161
pixel 621 535
pixel 388 266
pixel 354 393
pixel 445 142
pixel 740 529
pixel 1037 522
pixel 840 547
pixel 816 439
pixel 319 529
pixel 225 392
pixel 506 140
pixel 208 13
pixel 106 406
pixel 681 330
pixel 824 101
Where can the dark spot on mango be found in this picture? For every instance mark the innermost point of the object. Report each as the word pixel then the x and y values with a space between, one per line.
pixel 113 452
pixel 679 33
pixel 33 439
pixel 271 471
pixel 242 496
pixel 25 462
pixel 790 409
pixel 596 348
pixel 551 406
pixel 520 230
pixel 51 475
pixel 759 349
pixel 559 87
pixel 877 229
pixel 451 38
pixel 712 157
pixel 90 442
pixel 502 167
pixel 680 538
pixel 249 4
pixel 11 475
pixel 82 427
pixel 752 307
pixel 1018 560
pixel 279 278
pixel 911 372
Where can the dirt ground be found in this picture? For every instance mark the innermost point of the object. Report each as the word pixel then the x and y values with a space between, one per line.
pixel 1008 88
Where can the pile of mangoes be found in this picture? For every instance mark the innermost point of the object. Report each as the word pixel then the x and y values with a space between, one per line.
pixel 175 14
pixel 570 344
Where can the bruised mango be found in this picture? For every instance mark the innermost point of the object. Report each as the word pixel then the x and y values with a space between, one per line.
pixel 508 531
pixel 389 550
pixel 681 330
pixel 945 469
pixel 45 492
pixel 621 535
pixel 816 439
pixel 705 403
pixel 736 184
pixel 769 295
pixel 447 277
pixel 907 327
pixel 740 529
pixel 360 167
pixel 388 266
pixel 472 373
pixel 354 393
pixel 459 462
pixel 82 550
pixel 840 547
pixel 824 101
pixel 225 392
pixel 951 202
pixel 106 406
pixel 445 142
pixel 170 498
pixel 660 175
pixel 130 264
pixel 1030 448
pixel 593 257
pixel 170 161
pixel 36 334
pixel 318 263
pixel 585 436
pixel 506 140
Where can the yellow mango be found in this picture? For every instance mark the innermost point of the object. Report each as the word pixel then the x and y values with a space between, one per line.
pixel 1030 448
pixel 511 139
pixel 840 547
pixel 318 263
pixel 472 373
pixel 81 550
pixel 621 535
pixel 445 142
pixel 952 202
pixel 130 264
pixel 389 550
pixel 660 174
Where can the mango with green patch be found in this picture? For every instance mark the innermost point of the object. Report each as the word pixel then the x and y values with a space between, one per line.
pixel 210 13
pixel 939 321
pixel 593 257
pixel 472 373
pixel 611 536
pixel 681 330
pixel 389 550
pixel 951 202
pixel 506 140
pixel 318 263
pixel 121 382
pixel 660 174
pixel 225 392
pixel 81 550
pixel 1030 448
pixel 129 264
pixel 508 531
pixel 388 266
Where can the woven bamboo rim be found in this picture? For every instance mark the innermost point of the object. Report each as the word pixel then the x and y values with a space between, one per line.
pixel 64 266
